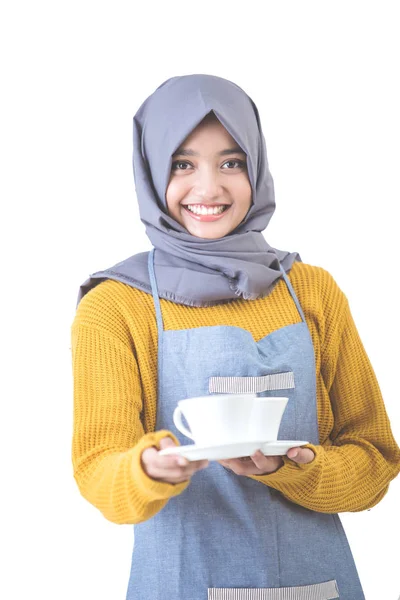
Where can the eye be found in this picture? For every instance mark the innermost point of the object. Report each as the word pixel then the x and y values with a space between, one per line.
pixel 239 164
pixel 174 166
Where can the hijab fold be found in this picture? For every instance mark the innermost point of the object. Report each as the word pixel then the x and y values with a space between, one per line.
pixel 191 270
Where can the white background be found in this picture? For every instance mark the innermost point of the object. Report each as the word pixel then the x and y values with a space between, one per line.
pixel 324 76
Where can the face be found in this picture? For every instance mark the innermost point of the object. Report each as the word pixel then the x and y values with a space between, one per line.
pixel 209 191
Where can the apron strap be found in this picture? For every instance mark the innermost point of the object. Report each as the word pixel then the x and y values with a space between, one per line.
pixel 292 292
pixel 154 290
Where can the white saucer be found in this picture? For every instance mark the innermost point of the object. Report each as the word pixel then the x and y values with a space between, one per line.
pixel 236 450
pixel 280 447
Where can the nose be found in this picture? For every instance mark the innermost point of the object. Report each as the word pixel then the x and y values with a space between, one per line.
pixel 208 185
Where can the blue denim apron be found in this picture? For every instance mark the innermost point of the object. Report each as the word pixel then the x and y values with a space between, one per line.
pixel 227 536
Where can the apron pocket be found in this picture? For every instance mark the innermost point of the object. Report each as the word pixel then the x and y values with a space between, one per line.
pixel 248 385
pixel 319 591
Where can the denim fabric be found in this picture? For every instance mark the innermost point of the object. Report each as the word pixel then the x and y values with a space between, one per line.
pixel 225 530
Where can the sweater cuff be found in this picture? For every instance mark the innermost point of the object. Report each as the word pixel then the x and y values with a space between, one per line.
pixel 151 488
pixel 292 473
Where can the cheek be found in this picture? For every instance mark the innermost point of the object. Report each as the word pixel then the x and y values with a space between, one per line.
pixel 244 192
pixel 174 194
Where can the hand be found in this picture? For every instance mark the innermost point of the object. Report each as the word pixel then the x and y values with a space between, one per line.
pixel 172 468
pixel 256 464
pixel 259 464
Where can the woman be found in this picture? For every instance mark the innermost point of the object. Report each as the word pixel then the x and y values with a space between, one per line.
pixel 214 299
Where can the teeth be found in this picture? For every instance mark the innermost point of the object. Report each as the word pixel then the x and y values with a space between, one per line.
pixel 203 210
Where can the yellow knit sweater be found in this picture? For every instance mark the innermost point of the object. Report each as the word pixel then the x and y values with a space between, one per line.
pixel 114 357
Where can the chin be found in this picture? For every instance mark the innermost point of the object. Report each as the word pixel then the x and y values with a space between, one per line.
pixel 210 236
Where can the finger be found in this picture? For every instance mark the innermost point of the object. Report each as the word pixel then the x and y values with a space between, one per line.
pixel 200 464
pixel 166 442
pixel 238 466
pixel 177 474
pixel 176 459
pixel 301 456
pixel 260 460
pixel 192 465
pixel 178 466
pixel 165 467
pixel 171 468
pixel 266 464
pixel 154 463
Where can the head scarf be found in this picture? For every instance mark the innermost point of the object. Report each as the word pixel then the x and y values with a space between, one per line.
pixel 192 270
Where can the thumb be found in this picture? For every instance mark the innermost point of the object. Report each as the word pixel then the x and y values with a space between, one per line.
pixel 302 456
pixel 166 442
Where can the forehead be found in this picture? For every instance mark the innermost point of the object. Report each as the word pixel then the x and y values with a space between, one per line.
pixel 210 134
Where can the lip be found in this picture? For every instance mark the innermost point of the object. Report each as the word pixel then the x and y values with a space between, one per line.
pixel 207 218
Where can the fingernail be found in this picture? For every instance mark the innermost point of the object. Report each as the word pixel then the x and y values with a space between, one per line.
pixel 182 461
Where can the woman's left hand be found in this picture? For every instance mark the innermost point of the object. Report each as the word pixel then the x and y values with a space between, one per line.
pixel 259 464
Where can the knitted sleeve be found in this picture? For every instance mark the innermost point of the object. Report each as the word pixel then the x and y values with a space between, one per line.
pixel 108 435
pixel 352 470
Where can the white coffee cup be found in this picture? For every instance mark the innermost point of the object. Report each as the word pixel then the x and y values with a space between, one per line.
pixel 216 419
pixel 230 418
pixel 266 418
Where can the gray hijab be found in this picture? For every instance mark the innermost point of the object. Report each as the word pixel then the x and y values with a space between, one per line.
pixel 191 270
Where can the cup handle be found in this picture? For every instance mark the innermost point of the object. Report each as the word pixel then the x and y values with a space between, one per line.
pixel 177 417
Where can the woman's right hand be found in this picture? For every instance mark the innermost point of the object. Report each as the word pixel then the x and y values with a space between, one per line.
pixel 172 468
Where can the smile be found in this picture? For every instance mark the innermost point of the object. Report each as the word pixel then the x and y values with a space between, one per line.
pixel 201 212
pixel 202 209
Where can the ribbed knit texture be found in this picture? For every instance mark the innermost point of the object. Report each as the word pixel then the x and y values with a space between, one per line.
pixel 114 357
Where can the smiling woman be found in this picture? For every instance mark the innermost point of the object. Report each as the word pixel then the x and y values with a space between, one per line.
pixel 210 195
pixel 214 302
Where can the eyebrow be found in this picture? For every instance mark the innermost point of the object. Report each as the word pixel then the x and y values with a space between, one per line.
pixel 190 152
